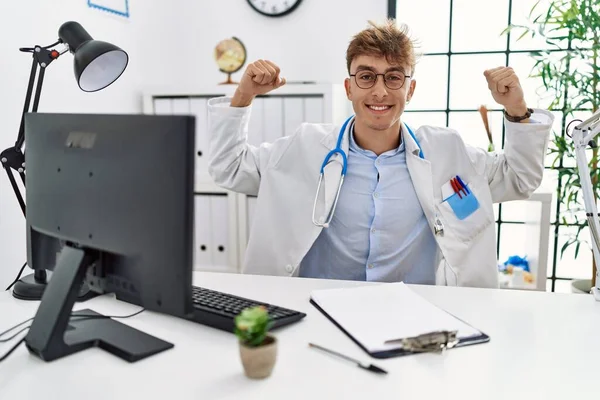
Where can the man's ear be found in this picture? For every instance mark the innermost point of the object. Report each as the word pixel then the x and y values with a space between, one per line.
pixel 347 87
pixel 411 90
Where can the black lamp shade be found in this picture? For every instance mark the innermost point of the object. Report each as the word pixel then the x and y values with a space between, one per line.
pixel 97 64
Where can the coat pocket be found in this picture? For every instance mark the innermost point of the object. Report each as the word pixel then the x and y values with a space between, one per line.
pixel 468 216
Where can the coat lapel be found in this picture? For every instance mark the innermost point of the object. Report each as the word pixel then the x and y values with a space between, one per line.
pixel 419 170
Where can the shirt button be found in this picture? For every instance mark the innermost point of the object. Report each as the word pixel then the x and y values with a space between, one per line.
pixel 376 195
pixel 289 268
pixel 370 266
pixel 373 230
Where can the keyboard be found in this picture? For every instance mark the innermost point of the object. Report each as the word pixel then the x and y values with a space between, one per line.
pixel 218 309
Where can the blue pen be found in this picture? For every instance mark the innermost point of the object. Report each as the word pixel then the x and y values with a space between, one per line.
pixel 462 184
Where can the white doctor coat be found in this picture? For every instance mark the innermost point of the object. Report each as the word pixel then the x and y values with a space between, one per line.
pixel 285 174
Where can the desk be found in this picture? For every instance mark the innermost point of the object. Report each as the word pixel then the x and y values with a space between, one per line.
pixel 542 347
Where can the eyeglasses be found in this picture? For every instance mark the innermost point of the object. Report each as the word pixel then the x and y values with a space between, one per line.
pixel 393 80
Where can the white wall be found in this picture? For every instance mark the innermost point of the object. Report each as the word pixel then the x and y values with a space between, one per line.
pixel 170 43
pixel 308 44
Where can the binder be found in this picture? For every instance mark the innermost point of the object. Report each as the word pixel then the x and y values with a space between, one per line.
pixel 250 210
pixel 273 119
pixel 390 319
pixel 199 110
pixel 219 205
pixel 180 106
pixel 293 114
pixel 162 107
pixel 202 237
pixel 313 110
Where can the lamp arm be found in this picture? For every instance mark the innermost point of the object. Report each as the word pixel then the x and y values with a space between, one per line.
pixel 584 135
pixel 42 56
pixel 21 134
pixel 13 157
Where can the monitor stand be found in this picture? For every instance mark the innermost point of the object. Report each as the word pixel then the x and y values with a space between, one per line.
pixel 56 332
pixel 31 287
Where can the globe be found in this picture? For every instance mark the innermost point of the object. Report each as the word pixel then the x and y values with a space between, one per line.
pixel 230 55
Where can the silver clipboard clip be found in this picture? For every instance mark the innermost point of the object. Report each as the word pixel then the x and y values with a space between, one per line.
pixel 433 342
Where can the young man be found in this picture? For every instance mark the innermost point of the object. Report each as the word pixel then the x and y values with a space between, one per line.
pixel 415 206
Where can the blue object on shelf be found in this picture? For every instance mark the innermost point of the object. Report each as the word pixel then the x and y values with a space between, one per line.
pixel 515 261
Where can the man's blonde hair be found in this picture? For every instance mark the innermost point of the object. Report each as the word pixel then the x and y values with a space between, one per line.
pixel 390 40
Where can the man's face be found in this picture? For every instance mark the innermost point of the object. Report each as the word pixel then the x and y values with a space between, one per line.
pixel 378 107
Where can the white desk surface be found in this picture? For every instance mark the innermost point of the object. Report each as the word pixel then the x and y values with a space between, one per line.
pixel 542 347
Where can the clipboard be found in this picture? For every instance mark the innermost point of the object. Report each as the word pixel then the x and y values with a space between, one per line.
pixel 452 333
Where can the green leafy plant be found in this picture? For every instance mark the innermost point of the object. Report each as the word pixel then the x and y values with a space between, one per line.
pixel 570 74
pixel 252 326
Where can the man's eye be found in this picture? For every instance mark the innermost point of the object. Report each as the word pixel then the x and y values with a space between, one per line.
pixel 366 77
pixel 393 77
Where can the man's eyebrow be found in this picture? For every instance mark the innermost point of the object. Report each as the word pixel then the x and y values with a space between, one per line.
pixel 370 68
pixel 365 68
pixel 399 69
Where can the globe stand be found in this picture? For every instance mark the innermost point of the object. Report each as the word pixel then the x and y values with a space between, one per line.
pixel 229 81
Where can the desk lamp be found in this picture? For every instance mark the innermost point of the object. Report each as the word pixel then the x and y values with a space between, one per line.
pixel 583 135
pixel 96 65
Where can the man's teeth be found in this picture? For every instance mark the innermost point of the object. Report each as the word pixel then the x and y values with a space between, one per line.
pixel 379 108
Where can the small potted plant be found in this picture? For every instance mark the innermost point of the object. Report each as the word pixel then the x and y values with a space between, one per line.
pixel 258 348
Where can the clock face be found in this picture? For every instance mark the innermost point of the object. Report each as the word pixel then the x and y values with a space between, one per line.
pixel 274 8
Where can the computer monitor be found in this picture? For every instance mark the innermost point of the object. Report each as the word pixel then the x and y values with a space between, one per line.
pixel 110 202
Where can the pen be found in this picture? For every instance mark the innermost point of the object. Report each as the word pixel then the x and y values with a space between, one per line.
pixel 462 184
pixel 370 367
pixel 455 187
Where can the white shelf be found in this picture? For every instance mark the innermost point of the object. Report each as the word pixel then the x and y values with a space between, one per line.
pixel 290 89
pixel 537 227
pixel 209 187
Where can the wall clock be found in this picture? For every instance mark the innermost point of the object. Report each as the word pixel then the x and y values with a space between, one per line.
pixel 274 8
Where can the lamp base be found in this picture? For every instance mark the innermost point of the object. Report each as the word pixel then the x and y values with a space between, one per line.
pixel 29 288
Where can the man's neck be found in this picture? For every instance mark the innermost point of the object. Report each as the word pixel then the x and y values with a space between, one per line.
pixel 377 141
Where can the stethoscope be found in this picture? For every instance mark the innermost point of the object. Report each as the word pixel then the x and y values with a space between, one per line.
pixel 327 160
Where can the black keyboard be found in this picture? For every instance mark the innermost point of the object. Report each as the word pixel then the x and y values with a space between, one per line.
pixel 219 309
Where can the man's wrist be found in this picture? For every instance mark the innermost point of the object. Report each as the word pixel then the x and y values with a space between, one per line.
pixel 517 111
pixel 241 99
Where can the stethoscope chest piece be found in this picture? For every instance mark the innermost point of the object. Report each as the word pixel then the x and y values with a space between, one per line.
pixel 438 227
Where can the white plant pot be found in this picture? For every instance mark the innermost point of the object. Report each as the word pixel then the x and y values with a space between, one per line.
pixel 259 361
pixel 581 286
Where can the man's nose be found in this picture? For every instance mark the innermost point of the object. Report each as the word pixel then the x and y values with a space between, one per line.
pixel 379 90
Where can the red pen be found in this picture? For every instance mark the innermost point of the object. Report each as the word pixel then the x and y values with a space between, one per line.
pixel 455 187
pixel 461 185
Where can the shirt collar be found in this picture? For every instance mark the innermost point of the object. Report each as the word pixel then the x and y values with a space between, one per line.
pixel 356 148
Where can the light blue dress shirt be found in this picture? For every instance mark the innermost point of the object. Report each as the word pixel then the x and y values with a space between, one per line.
pixel 379 231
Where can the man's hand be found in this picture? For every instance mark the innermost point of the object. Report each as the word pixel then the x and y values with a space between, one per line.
pixel 260 77
pixel 506 90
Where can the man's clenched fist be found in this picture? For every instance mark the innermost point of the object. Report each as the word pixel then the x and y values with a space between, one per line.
pixel 260 77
